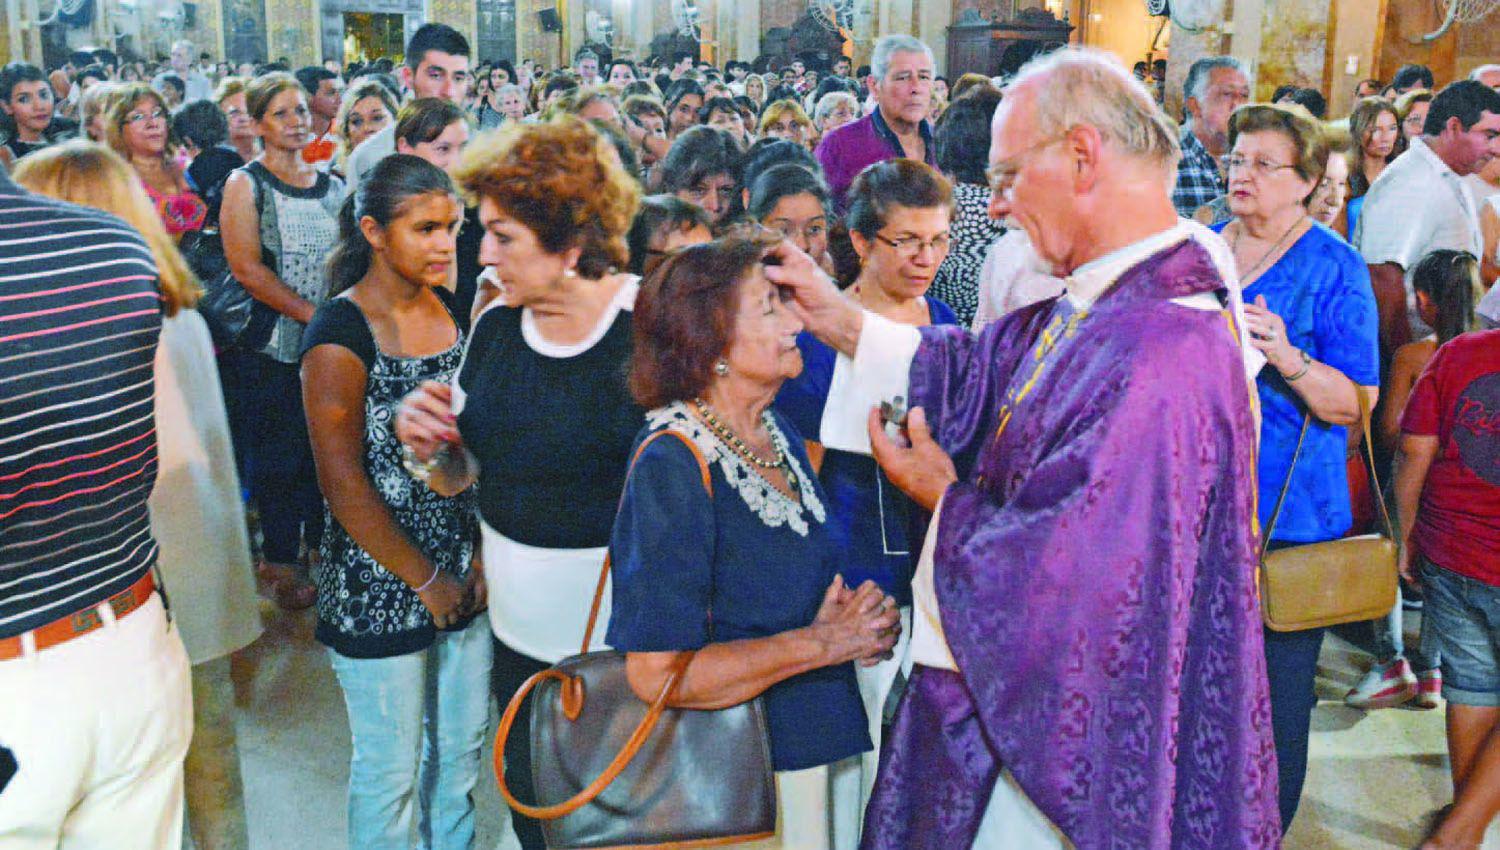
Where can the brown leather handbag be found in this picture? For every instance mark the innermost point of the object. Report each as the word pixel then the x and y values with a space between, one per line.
pixel 1337 581
pixel 661 777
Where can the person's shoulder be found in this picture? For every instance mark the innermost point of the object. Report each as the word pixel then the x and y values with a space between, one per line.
pixel 675 445
pixel 29 209
pixel 840 137
pixel 1485 344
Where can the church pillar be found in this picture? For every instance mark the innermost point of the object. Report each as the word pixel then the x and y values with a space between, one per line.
pixel 932 28
pixel 641 20
pixel 747 36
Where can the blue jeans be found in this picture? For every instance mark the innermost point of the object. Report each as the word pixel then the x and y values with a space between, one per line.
pixel 418 723
pixel 1463 616
pixel 1291 667
pixel 1390 641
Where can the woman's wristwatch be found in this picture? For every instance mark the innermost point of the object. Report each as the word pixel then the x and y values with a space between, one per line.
pixel 1307 362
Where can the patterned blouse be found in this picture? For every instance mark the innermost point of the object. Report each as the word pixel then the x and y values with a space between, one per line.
pixel 973 232
pixel 365 611
pixel 181 213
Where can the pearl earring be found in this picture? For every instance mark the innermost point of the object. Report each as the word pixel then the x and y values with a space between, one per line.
pixel 721 368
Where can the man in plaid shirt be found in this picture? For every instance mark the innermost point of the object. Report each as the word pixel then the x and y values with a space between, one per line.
pixel 1215 88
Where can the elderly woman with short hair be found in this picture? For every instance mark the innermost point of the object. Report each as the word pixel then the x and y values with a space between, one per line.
pixel 1310 309
pixel 834 110
pixel 747 570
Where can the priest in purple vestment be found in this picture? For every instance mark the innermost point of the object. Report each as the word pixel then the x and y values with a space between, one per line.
pixel 1086 645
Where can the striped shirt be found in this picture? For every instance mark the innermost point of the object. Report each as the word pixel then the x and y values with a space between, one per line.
pixel 80 313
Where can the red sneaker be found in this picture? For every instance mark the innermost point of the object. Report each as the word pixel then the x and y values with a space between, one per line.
pixel 1385 686
pixel 1429 689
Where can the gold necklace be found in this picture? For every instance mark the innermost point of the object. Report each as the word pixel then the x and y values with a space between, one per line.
pixel 732 440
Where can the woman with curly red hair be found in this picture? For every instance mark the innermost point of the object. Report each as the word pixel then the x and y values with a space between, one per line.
pixel 539 416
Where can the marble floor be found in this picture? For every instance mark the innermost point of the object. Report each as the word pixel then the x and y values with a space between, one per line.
pixel 1374 780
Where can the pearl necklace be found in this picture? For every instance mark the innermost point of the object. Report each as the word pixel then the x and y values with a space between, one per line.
pixel 732 440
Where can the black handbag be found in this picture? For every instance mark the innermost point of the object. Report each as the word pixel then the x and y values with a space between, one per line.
pixel 235 318
pixel 634 774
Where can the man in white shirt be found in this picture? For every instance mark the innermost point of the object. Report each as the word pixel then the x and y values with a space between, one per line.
pixel 437 65
pixel 197 86
pixel 1419 203
pixel 586 63
pixel 1085 611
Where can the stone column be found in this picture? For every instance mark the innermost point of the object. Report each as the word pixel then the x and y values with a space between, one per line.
pixel 747 38
pixel 641 20
pixel 932 28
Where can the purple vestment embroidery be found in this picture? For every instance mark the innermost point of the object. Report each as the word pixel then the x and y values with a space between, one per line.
pixel 1095 570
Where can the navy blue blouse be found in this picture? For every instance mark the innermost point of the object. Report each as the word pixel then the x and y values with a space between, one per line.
pixel 870 520
pixel 690 570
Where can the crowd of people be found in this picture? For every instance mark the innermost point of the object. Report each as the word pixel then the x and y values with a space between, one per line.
pixel 989 463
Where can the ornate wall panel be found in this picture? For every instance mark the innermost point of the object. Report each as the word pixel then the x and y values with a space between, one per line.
pixel 292 31
pixel 496 34
pixel 244 24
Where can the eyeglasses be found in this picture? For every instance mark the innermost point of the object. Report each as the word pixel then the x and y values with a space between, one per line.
pixel 1002 174
pixel 138 117
pixel 1257 167
pixel 911 246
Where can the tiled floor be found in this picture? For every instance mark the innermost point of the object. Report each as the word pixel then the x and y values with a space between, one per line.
pixel 1374 779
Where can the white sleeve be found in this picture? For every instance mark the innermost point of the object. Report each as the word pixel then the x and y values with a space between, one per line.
pixel 878 371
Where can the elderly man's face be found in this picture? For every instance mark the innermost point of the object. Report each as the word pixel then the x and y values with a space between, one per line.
pixel 905 93
pixel 182 55
pixel 1227 90
pixel 1029 180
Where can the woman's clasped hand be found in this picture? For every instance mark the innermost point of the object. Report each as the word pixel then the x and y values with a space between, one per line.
pixel 857 624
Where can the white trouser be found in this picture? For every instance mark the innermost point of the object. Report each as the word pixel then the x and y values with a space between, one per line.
pixel 808 805
pixel 99 727
pixel 858 777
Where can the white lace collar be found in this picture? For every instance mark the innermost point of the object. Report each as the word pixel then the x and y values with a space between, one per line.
pixel 773 507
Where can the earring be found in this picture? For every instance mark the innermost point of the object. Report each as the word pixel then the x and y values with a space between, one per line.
pixel 721 368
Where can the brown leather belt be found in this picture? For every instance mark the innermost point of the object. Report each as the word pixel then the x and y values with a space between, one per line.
pixel 82 622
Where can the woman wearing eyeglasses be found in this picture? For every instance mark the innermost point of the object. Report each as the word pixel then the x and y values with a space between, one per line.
pixel 1310 310
pixel 898 218
pixel 139 129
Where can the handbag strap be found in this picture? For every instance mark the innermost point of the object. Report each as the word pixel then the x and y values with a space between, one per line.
pixel 572 687
pixel 572 702
pixel 1364 418
pixel 708 484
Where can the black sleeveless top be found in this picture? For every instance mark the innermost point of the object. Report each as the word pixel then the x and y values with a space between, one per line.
pixel 551 429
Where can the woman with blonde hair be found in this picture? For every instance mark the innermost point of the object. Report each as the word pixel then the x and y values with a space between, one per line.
pixel 784 119
pixel 139 129
pixel 93 109
pixel 195 508
pixel 366 109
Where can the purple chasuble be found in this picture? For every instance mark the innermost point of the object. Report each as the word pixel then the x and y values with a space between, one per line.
pixel 1095 571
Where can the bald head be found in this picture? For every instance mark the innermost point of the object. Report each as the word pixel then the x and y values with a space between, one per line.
pixel 1075 140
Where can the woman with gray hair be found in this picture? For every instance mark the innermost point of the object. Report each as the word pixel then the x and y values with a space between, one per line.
pixel 834 110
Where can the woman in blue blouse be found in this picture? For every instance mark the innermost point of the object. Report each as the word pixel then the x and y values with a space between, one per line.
pixel 899 214
pixel 745 571
pixel 1310 310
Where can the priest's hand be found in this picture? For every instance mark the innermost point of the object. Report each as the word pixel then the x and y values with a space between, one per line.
pixel 922 470
pixel 823 309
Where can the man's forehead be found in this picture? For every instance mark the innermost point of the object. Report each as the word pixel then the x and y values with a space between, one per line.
pixel 1488 121
pixel 909 60
pixel 1011 126
pixel 446 61
pixel 1227 77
